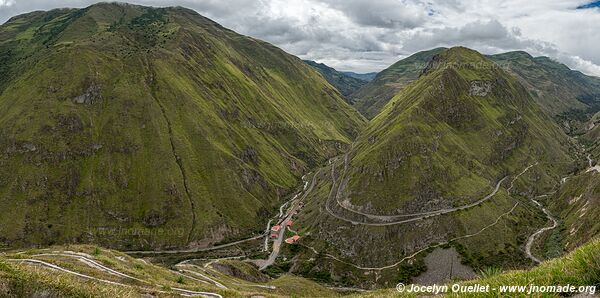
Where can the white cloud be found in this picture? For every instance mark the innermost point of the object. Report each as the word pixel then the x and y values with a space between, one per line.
pixel 367 35
pixel 6 3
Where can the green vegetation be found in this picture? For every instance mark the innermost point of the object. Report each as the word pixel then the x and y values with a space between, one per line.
pixel 457 130
pixel 346 84
pixel 569 96
pixel 155 128
pixel 579 268
pixel 490 272
pixel 444 141
pixel 140 128
pixel 408 271
pixel 576 204
pixel 371 99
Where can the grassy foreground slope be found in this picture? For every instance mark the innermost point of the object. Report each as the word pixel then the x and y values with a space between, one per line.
pixel 89 271
pixel 137 127
pixel 579 268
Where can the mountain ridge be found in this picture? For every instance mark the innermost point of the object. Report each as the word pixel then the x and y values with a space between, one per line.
pixel 561 92
pixel 91 95
pixel 346 84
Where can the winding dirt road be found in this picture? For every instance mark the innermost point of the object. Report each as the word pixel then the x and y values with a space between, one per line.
pixel 532 238
pixel 419 251
pixel 102 268
pixel 415 216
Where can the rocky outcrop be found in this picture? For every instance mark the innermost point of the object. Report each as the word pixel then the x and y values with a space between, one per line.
pixel 480 88
pixel 91 95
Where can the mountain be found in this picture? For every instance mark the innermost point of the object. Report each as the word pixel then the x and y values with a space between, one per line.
pixel 136 127
pixel 370 99
pixel 576 206
pixel 361 76
pixel 569 96
pixel 346 84
pixel 450 115
pixel 455 154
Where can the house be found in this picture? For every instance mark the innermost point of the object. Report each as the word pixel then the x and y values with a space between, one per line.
pixel 292 240
pixel 276 228
pixel 274 235
pixel 290 223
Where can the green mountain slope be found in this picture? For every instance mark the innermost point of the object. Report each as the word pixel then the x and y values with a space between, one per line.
pixel 453 159
pixel 576 204
pixel 346 84
pixel 578 268
pixel 138 127
pixel 457 129
pixel 569 96
pixel 374 96
pixel 361 76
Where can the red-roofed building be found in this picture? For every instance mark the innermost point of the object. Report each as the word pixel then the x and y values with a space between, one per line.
pixel 276 228
pixel 292 240
pixel 274 235
pixel 290 223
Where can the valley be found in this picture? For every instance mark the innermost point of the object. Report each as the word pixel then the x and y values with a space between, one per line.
pixel 152 152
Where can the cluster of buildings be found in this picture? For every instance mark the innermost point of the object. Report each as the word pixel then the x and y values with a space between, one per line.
pixel 276 229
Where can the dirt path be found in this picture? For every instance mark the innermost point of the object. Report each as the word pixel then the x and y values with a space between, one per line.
pixel 394 218
pixel 418 216
pixel 102 268
pixel 533 236
pixel 419 251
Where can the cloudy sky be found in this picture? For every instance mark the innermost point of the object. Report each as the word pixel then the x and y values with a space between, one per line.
pixel 369 35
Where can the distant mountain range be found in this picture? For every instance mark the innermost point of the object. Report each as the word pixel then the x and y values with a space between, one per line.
pixel 346 83
pixel 158 132
pixel 367 77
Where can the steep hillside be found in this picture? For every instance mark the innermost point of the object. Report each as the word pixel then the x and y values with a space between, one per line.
pixel 576 205
pixel 122 276
pixel 453 159
pixel 457 130
pixel 361 76
pixel 375 95
pixel 87 271
pixel 344 83
pixel 137 127
pixel 567 95
pixel 580 268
